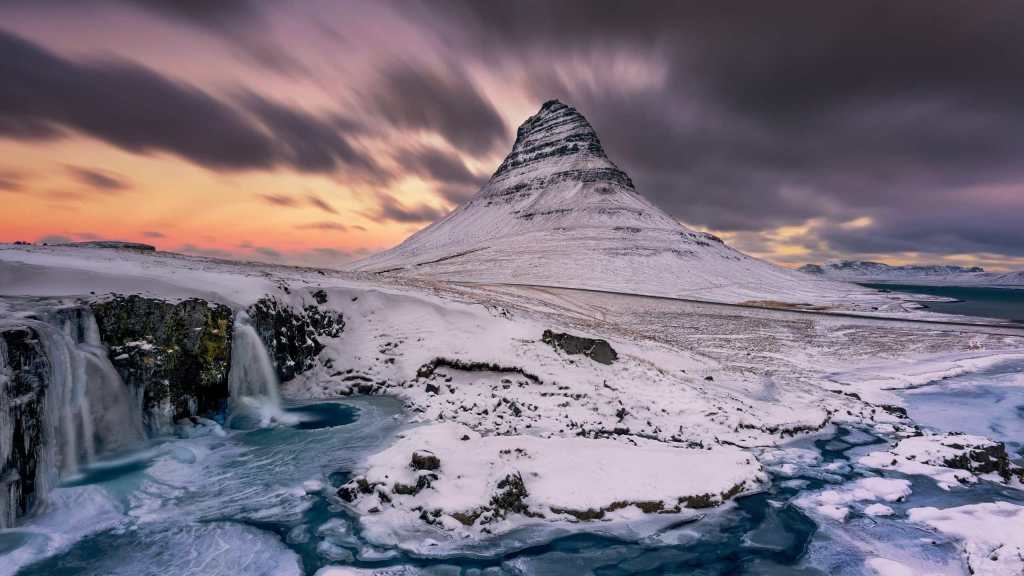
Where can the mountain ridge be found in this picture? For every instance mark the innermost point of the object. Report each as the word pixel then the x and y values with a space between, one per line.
pixel 947 274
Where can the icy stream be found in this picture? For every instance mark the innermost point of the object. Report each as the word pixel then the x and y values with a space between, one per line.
pixel 213 499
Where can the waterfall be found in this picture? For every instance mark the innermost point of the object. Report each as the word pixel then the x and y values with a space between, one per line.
pixel 86 407
pixel 252 381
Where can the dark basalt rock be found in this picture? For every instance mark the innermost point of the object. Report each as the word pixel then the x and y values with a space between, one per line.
pixel 425 460
pixel 178 354
pixel 593 348
pixel 22 403
pixel 428 369
pixel 292 338
pixel 511 495
pixel 986 459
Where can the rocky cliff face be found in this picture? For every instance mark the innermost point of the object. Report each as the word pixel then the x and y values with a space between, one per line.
pixel 177 354
pixel 76 380
pixel 24 379
pixel 294 338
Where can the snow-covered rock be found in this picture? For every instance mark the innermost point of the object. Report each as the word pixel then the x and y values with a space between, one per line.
pixel 951 459
pixel 992 534
pixel 559 212
pixel 449 475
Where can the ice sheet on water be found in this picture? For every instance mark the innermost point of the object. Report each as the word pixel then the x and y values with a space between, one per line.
pixel 211 549
pixel 987 404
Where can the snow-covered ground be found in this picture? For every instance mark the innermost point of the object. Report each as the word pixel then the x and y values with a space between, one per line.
pixel 696 395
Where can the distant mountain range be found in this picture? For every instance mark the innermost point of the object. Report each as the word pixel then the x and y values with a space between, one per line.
pixel 559 212
pixel 867 271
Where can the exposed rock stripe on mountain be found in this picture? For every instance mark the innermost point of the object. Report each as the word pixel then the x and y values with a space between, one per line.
pixel 559 212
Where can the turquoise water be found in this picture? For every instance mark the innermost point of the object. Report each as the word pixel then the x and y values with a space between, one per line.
pixel 212 502
pixel 982 302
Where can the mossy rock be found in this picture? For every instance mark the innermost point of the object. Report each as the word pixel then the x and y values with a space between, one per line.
pixel 178 354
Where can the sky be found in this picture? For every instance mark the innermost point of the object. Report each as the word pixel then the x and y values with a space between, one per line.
pixel 317 132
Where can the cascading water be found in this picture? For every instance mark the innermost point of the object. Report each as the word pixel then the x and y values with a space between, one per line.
pixel 86 407
pixel 252 382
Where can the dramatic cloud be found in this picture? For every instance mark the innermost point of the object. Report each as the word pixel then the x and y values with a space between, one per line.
pixel 456 183
pixel 139 110
pixel 102 181
pixel 448 103
pixel 391 209
pixel 241 23
pixel 753 116
pixel 308 143
pixel 775 123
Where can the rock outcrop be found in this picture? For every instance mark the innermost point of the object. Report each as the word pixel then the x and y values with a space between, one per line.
pixel 294 339
pixel 594 348
pixel 177 354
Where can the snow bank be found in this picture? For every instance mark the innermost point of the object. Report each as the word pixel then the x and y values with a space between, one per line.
pixel 461 481
pixel 992 534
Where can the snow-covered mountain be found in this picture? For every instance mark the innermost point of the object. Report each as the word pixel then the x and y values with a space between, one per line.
pixel 867 271
pixel 559 212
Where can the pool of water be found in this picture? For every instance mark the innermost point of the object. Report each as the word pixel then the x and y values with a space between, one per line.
pixel 1003 303
pixel 213 502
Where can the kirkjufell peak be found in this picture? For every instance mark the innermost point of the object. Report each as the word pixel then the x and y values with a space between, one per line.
pixel 559 212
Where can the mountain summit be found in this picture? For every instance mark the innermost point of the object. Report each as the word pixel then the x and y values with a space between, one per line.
pixel 559 212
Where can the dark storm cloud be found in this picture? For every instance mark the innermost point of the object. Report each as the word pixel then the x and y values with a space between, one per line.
pixel 139 110
pixel 126 105
pixel 390 208
pixel 307 142
pixel 772 113
pixel 415 97
pixel 242 23
pixel 456 183
pixel 439 165
pixel 102 181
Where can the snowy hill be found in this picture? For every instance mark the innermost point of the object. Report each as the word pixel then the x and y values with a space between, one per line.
pixel 559 212
pixel 867 271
